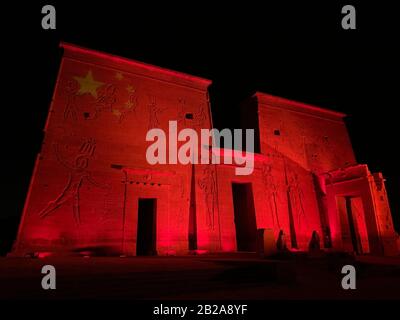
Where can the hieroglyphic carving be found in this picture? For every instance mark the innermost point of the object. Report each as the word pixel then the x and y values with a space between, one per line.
pixel 297 199
pixel 320 157
pixel 272 193
pixel 105 100
pixel 183 200
pixel 154 112
pixel 128 106
pixel 71 109
pixel 181 111
pixel 78 173
pixel 199 115
pixel 208 185
pixel 383 206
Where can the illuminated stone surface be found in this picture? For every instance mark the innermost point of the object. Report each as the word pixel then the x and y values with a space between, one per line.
pixel 91 179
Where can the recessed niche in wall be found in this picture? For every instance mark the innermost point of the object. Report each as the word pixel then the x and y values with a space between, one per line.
pixel 189 116
pixel 277 132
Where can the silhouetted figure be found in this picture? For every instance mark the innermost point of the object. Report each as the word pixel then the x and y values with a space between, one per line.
pixel 327 237
pixel 281 242
pixel 314 244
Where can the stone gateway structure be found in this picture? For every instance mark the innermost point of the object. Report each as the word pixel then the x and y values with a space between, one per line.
pixel 92 189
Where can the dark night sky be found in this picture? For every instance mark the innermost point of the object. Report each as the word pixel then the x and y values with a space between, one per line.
pixel 298 51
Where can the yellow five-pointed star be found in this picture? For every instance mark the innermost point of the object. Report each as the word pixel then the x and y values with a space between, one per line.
pixel 116 112
pixel 88 84
pixel 129 104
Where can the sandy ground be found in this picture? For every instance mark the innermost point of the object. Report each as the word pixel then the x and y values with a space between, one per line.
pixel 200 277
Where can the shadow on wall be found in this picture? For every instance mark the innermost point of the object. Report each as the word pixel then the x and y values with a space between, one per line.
pixel 392 188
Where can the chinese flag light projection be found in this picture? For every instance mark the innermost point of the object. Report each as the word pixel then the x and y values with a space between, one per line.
pixel 92 189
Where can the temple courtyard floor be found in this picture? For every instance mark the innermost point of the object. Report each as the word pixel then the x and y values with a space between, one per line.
pixel 218 277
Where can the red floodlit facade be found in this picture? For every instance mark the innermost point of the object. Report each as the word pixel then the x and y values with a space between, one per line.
pixel 93 190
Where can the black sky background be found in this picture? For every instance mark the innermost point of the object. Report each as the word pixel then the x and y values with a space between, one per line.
pixel 296 50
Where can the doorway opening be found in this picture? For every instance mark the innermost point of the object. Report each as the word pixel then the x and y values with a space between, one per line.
pixel 355 236
pixel 146 228
pixel 354 231
pixel 245 217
